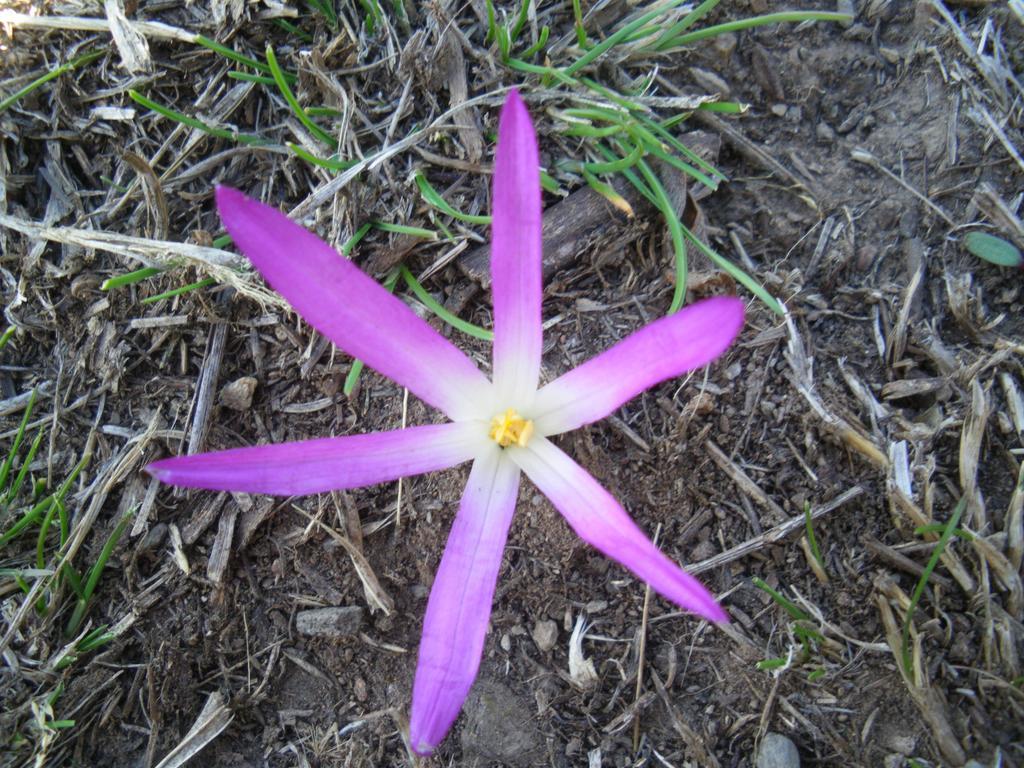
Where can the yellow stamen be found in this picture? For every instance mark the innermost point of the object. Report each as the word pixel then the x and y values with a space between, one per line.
pixel 509 428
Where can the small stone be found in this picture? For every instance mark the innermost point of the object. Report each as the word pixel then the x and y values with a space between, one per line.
pixel 238 394
pixel 777 751
pixel 330 622
pixel 825 133
pixel 545 634
pixel 499 727
pixel 779 110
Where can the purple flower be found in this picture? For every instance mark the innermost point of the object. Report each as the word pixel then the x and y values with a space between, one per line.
pixel 503 425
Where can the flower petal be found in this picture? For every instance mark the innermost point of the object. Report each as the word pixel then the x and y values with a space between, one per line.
pixel 326 464
pixel 460 600
pixel 351 309
pixel 602 522
pixel 666 348
pixel 516 255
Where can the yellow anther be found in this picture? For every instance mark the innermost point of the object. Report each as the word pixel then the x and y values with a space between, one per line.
pixel 509 428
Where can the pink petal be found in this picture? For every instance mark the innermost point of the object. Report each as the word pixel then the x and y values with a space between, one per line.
pixel 516 254
pixel 315 466
pixel 601 522
pixel 350 308
pixel 460 600
pixel 666 348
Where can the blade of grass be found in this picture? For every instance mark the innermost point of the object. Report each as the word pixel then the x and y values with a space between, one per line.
pixel 786 604
pixel 581 33
pixel 737 274
pixel 129 278
pixel 438 309
pixel 7 336
pixel 191 122
pixel 324 162
pixel 739 25
pixel 250 78
pixel 291 29
pixel 686 22
pixel 542 40
pixel 286 92
pixel 12 493
pixel 726 107
pixel 5 468
pixel 433 197
pixel 85 58
pixel 521 19
pixel 607 191
pixel 238 58
pixel 618 165
pixel 353 241
pixel 621 34
pixel 205 283
pixel 404 229
pixel 811 538
pixel 675 229
pixel 915 598
pixel 93 578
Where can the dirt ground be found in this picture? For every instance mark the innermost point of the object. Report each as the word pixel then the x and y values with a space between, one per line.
pixel 889 393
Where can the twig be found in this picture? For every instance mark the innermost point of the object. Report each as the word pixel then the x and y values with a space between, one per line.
pixel 773 535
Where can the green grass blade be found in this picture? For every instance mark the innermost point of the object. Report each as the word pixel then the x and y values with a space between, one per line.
pixel 619 164
pixel 405 229
pixel 326 9
pixel 619 36
pixel 521 19
pixel 675 228
pixel 725 107
pixel 438 309
pixel 286 92
pixel 330 163
pixel 662 132
pixel 940 547
pixel 291 29
pixel 93 578
pixel 686 22
pixel 352 242
pixel 739 25
pixel 608 192
pixel 239 58
pixel 12 494
pixel 492 23
pixel 85 58
pixel 28 518
pixel 250 78
pixel 205 283
pixel 581 33
pixel 7 336
pixel 811 538
pixel 5 468
pixel 191 122
pixel 737 274
pixel 542 40
pixel 433 197
pixel 786 604
pixel 129 278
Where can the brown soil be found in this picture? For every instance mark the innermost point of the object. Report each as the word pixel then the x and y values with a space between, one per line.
pixel 880 293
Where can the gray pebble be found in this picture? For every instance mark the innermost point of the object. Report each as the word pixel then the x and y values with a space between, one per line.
pixel 776 751
pixel 330 622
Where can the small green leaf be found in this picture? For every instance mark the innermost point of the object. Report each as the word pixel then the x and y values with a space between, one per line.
pixel 993 249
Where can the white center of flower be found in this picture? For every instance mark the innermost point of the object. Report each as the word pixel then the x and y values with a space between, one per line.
pixel 509 428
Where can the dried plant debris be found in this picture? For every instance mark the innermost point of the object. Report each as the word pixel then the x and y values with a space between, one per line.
pixel 838 174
